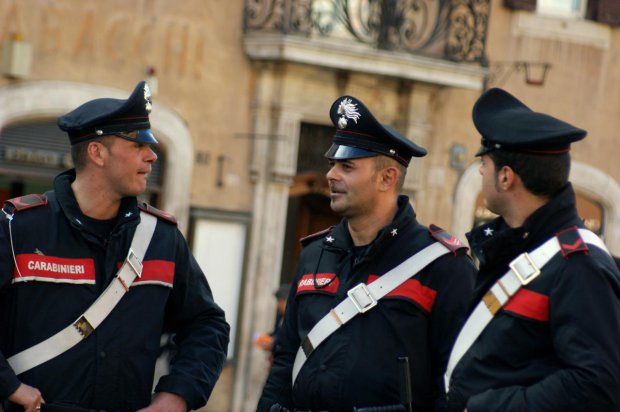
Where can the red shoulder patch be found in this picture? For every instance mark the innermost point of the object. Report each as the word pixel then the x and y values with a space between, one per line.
pixel 27 202
pixel 571 242
pixel 307 239
pixel 445 238
pixel 157 213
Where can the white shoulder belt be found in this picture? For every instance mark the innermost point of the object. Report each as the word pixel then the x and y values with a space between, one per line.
pixel 85 324
pixel 362 298
pixel 523 270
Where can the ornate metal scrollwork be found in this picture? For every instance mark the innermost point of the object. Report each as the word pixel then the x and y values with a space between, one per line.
pixel 466 40
pixel 448 29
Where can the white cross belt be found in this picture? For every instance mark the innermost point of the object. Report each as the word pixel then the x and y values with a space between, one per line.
pixel 362 298
pixel 523 270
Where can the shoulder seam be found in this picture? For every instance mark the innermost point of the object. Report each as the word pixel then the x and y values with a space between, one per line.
pixel 160 214
pixel 27 202
pixel 309 238
pixel 445 238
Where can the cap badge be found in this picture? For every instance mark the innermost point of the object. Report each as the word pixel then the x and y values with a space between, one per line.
pixel 147 97
pixel 347 110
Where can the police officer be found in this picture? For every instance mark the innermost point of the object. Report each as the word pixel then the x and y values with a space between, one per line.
pixel 67 342
pixel 547 322
pixel 357 365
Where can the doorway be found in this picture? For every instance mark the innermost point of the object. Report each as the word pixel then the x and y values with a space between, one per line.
pixel 308 204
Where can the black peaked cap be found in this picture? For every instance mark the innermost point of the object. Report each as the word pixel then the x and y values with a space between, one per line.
pixel 107 116
pixel 505 123
pixel 359 134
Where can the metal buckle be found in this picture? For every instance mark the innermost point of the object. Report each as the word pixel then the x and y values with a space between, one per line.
pixel 134 262
pixel 84 327
pixel 525 269
pixel 366 303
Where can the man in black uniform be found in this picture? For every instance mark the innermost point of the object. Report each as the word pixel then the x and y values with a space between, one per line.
pixel 547 313
pixel 357 365
pixel 59 257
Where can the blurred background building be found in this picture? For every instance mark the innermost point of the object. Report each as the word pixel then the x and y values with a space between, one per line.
pixel 242 90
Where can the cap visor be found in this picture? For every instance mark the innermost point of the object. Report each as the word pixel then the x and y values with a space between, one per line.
pixel 340 152
pixel 146 136
pixel 483 150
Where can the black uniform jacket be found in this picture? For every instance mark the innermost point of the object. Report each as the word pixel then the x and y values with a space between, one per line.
pixel 62 267
pixel 358 366
pixel 555 346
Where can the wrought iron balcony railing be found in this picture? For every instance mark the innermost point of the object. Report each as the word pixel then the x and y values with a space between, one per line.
pixel 453 30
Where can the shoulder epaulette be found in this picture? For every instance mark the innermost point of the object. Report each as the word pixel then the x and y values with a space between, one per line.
pixel 27 202
pixel 571 242
pixel 157 213
pixel 445 238
pixel 308 239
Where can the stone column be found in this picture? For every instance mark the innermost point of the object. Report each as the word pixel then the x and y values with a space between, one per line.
pixel 416 100
pixel 274 159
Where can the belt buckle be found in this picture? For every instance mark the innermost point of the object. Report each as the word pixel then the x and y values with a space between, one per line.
pixel 362 306
pixel 525 269
pixel 134 262
pixel 84 327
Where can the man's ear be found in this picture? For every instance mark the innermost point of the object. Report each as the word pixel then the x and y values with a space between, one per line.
pixel 389 177
pixel 97 152
pixel 507 178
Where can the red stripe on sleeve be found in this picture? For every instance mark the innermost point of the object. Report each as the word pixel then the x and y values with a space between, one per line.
pixel 157 271
pixel 412 289
pixel 530 304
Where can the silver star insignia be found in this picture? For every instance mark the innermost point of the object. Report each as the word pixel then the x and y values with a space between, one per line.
pixel 394 232
pixel 128 214
pixel 329 239
pixel 488 231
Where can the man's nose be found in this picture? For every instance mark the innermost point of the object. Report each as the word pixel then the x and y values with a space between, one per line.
pixel 152 156
pixel 331 173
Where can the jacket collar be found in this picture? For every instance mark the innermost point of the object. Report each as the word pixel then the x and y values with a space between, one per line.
pixel 495 241
pixel 340 238
pixel 128 211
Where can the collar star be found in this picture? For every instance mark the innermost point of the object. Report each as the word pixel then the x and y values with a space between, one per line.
pixel 329 239
pixel 128 214
pixel 394 232
pixel 488 231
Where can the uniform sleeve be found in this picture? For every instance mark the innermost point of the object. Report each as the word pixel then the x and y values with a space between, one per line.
pixel 584 309
pixel 453 279
pixel 8 381
pixel 278 388
pixel 201 333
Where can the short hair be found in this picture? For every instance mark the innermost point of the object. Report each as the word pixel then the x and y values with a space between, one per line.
pixel 382 162
pixel 79 151
pixel 542 174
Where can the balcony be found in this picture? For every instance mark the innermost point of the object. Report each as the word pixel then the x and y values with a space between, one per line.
pixel 436 41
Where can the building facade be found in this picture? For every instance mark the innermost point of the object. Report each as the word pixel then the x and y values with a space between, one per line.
pixel 242 91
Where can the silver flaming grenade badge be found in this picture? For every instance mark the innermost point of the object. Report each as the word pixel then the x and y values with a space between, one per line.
pixel 347 110
pixel 147 97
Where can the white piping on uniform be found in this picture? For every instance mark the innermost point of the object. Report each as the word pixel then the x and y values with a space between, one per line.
pixel 10 217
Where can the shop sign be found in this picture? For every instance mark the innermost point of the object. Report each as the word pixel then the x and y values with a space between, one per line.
pixel 38 157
